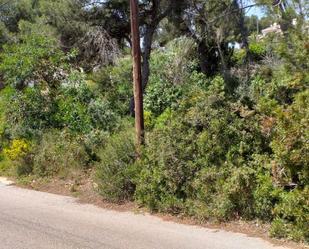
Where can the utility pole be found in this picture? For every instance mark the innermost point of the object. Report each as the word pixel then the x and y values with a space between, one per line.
pixel 137 76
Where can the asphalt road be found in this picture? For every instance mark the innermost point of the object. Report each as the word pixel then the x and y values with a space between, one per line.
pixel 36 220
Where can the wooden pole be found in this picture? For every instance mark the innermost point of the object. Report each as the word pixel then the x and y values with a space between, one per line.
pixel 137 76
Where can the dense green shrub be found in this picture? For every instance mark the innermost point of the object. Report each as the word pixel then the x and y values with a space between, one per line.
pixel 41 61
pixel 59 153
pixel 5 101
pixel 292 216
pixel 116 170
pixel 167 166
pixel 161 95
pixel 115 83
pixel 30 111
pixel 212 158
pixel 206 134
pixel 170 70
pixel 81 110
pixel 102 115
pixel 4 34
pixel 257 50
pixel 75 106
pixel 266 195
pixel 223 193
pixel 5 164
pixel 174 63
pixel 239 56
pixel 294 52
pixel 72 109
pixel 290 143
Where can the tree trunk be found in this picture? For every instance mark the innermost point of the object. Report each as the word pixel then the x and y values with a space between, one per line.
pixel 150 28
pixel 208 58
pixel 285 22
pixel 147 43
pixel 137 76
pixel 244 38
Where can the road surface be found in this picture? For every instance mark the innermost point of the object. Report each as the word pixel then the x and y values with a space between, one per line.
pixel 36 220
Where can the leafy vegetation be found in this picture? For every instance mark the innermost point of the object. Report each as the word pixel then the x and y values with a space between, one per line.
pixel 116 168
pixel 227 128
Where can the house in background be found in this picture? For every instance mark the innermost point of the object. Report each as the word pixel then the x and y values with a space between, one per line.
pixel 274 28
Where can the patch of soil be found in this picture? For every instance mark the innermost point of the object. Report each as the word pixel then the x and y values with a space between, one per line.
pixel 78 185
pixel 82 187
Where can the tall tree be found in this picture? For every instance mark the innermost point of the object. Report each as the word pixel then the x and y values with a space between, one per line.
pixel 115 15
pixel 212 24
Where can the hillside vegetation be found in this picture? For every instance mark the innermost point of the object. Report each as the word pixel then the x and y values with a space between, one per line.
pixel 227 128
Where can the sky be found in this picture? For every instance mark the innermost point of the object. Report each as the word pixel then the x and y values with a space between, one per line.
pixel 255 11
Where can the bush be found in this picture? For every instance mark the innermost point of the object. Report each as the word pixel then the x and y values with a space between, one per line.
pixel 19 156
pixel 214 159
pixel 30 111
pixel 58 153
pixel 257 50
pixel 148 120
pixel 222 193
pixel 74 106
pixel 160 96
pixel 207 134
pixel 167 167
pixel 81 110
pixel 292 216
pixel 290 142
pixel 115 83
pixel 102 115
pixel 239 56
pixel 266 195
pixel 19 148
pixel 5 97
pixel 24 166
pixel 5 165
pixel 72 112
pixel 41 61
pixel 170 69
pixel 4 34
pixel 175 63
pixel 116 168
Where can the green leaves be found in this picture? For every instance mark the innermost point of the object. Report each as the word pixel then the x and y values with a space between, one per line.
pixel 116 169
pixel 290 143
pixel 292 216
pixel 36 59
